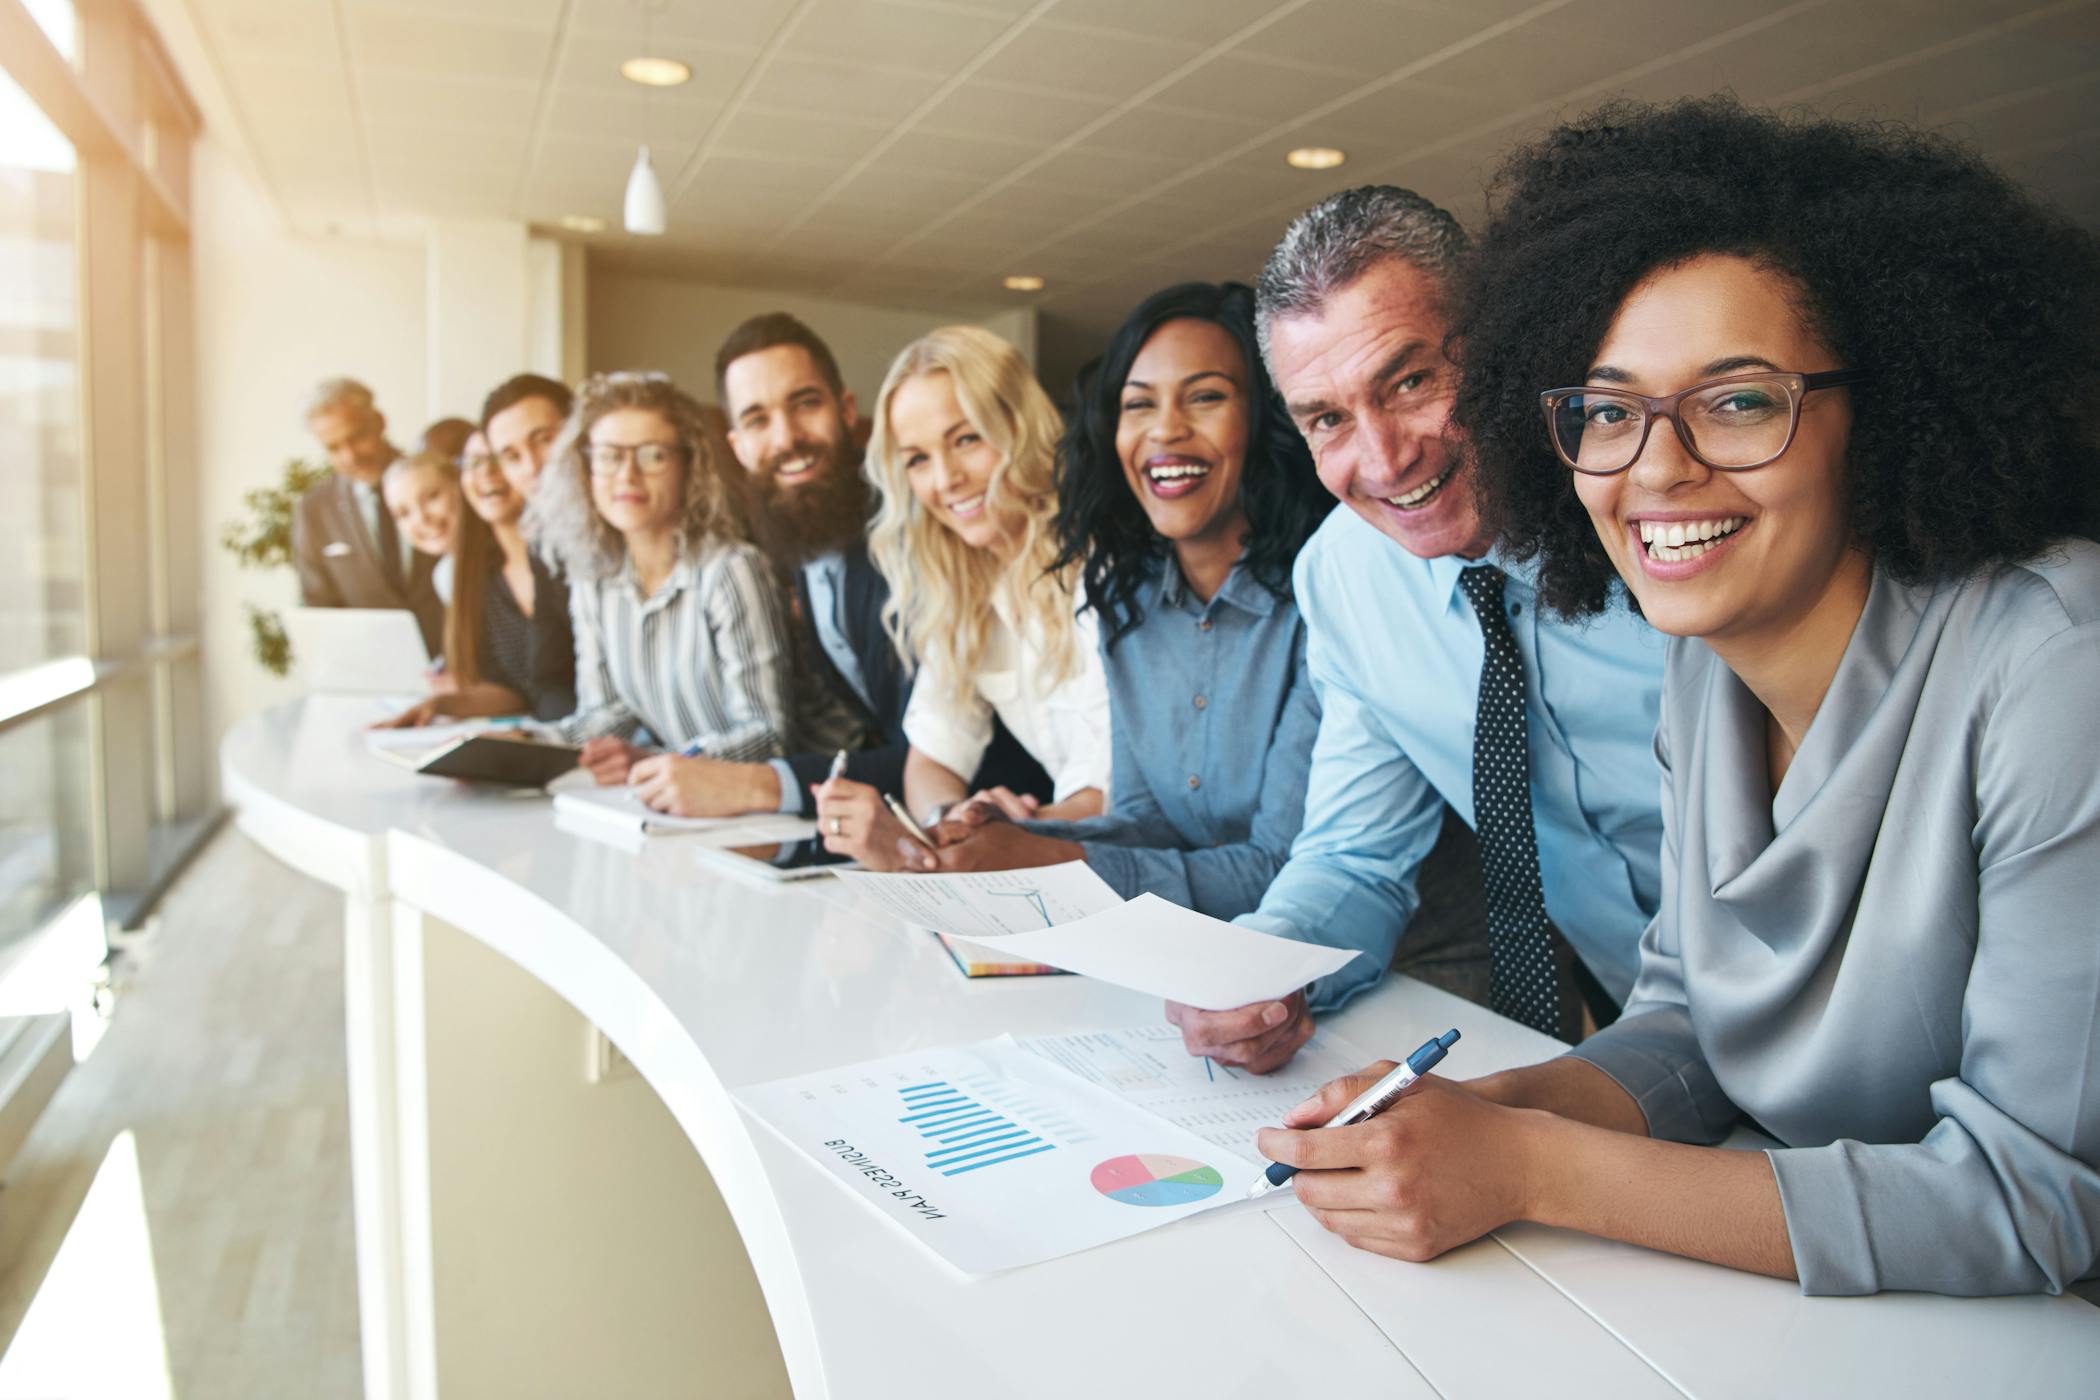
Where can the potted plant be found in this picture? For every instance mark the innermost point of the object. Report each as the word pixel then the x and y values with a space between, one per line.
pixel 262 539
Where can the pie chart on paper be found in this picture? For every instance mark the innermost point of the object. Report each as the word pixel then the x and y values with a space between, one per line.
pixel 1151 1179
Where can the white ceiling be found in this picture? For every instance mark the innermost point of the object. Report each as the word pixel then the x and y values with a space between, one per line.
pixel 913 152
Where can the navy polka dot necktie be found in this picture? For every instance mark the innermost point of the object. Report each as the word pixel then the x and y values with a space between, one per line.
pixel 1523 985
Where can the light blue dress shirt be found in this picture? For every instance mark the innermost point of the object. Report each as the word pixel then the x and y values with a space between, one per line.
pixel 1395 652
pixel 1212 718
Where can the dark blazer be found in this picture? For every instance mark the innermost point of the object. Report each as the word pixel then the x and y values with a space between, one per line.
pixel 1005 763
pixel 553 644
pixel 339 565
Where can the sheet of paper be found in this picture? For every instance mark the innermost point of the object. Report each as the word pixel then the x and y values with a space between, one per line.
pixel 619 804
pixel 1147 1067
pixel 987 903
pixel 421 738
pixel 1154 945
pixel 993 1157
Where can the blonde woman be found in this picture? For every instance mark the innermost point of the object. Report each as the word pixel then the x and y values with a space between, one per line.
pixel 679 628
pixel 963 455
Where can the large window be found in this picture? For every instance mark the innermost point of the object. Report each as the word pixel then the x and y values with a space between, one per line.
pixel 102 741
pixel 43 572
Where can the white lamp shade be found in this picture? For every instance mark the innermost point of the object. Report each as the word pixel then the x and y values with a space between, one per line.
pixel 644 212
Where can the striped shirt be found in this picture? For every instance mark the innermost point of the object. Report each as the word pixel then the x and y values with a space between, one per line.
pixel 706 660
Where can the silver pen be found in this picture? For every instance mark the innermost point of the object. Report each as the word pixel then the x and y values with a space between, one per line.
pixel 838 767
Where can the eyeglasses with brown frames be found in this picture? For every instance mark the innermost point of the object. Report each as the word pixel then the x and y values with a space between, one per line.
pixel 1732 424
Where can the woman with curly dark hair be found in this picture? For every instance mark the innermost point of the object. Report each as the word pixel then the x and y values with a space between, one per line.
pixel 1820 398
pixel 1184 496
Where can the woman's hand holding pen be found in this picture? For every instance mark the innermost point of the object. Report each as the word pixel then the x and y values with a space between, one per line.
pixel 1438 1169
pixel 854 821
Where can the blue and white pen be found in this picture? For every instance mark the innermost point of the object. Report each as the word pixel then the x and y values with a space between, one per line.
pixel 1369 1104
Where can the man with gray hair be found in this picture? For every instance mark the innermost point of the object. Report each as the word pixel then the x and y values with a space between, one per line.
pixel 1439 680
pixel 344 544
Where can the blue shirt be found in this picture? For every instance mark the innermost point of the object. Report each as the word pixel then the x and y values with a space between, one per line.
pixel 1395 652
pixel 1212 717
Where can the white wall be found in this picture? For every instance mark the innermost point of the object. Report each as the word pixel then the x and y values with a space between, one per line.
pixel 275 314
pixel 660 323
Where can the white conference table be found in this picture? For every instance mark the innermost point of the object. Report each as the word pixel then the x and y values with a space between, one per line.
pixel 707 983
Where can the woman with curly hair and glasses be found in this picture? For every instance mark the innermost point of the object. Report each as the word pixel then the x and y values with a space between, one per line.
pixel 1185 495
pixel 1820 398
pixel 963 455
pixel 679 627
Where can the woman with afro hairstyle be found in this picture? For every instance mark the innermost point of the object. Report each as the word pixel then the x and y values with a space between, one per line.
pixel 1820 398
pixel 1184 495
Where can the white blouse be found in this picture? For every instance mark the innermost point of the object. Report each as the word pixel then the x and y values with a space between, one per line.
pixel 1064 726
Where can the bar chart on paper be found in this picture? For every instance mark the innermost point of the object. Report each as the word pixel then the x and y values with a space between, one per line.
pixel 992 1156
pixel 963 1135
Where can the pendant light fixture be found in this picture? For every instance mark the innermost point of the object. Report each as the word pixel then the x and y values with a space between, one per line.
pixel 643 209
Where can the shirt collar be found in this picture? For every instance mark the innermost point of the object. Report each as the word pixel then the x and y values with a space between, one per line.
pixel 1241 589
pixel 682 576
pixel 1445 569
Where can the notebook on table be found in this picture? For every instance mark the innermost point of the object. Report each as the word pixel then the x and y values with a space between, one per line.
pixel 508 760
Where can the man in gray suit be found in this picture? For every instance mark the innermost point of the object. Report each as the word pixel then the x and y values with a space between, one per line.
pixel 343 540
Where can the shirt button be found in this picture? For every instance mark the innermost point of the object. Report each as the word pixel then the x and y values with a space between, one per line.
pixel 1194 782
pixel 1201 702
pixel 1516 609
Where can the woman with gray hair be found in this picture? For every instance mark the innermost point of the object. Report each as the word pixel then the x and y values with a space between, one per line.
pixel 679 628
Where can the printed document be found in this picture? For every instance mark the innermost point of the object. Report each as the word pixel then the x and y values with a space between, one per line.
pixel 993 1157
pixel 1146 1066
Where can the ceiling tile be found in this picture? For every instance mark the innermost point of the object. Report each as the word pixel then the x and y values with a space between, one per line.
pixel 415 143
pixel 271 91
pixel 1104 174
pixel 443 99
pixel 1256 88
pixel 1397 118
pixel 541 13
pixel 1171 134
pixel 878 31
pixel 437 43
pixel 620 118
pixel 1206 24
pixel 591 63
pixel 745 23
pixel 979 158
pixel 1035 115
pixel 302 31
pixel 834 87
pixel 1349 36
pixel 1094 62
pixel 799 136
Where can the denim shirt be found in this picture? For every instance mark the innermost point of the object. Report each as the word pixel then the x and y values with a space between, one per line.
pixel 1395 651
pixel 1213 719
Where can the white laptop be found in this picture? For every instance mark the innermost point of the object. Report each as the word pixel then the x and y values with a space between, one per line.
pixel 358 651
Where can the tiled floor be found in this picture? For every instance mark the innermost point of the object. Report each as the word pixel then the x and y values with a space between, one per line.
pixel 224 1061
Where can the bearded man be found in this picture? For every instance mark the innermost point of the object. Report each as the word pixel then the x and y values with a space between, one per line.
pixel 793 426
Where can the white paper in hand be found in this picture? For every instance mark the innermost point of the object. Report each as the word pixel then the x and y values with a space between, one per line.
pixel 1154 945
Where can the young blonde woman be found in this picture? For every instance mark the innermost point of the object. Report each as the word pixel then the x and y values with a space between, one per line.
pixel 963 454
pixel 681 641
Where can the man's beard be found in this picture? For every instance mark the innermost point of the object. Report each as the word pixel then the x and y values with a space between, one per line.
pixel 795 524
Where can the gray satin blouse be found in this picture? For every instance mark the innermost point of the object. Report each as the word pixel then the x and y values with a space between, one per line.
pixel 1893 965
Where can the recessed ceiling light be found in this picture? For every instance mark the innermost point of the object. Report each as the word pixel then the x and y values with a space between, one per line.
pixel 1316 158
pixel 655 72
pixel 1024 284
pixel 583 223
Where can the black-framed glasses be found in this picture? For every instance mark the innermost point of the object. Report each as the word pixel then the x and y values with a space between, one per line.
pixel 1731 424
pixel 649 458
